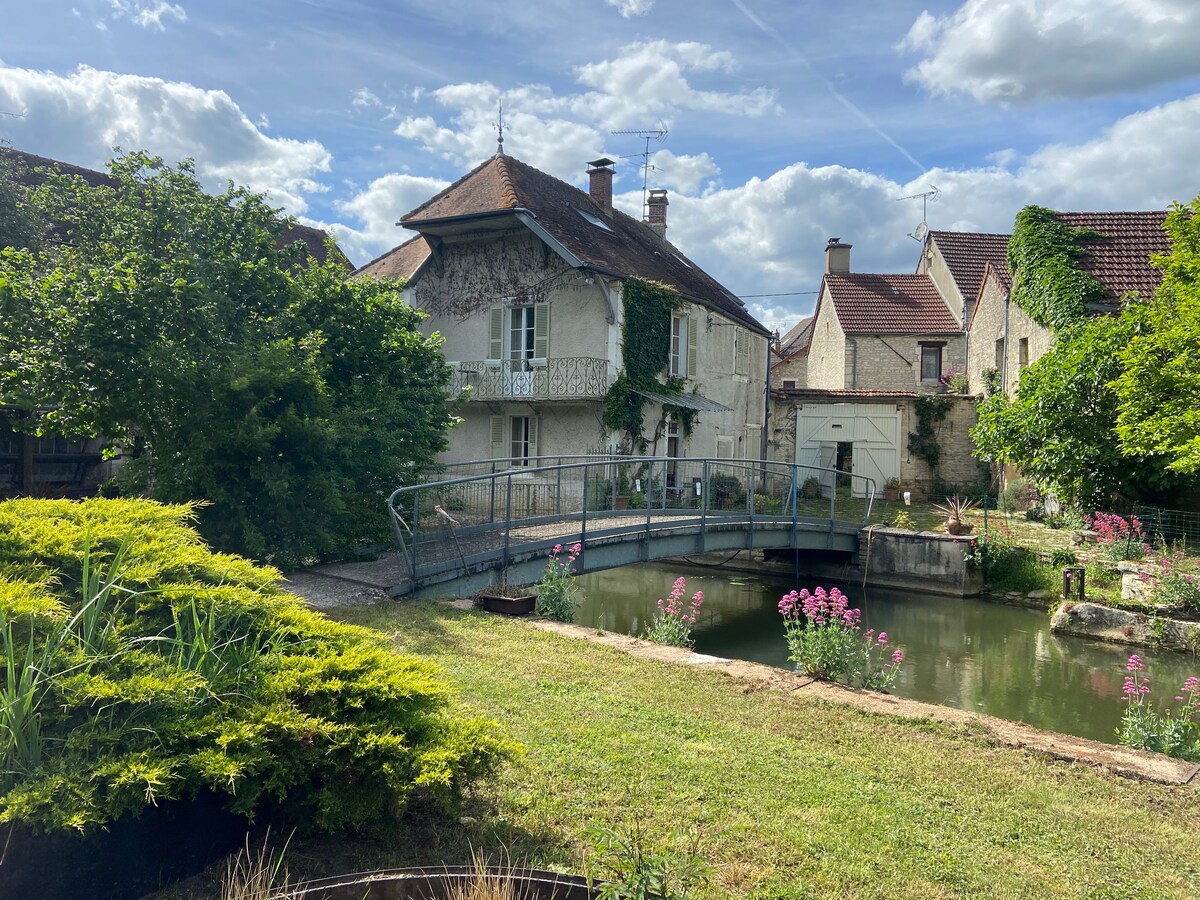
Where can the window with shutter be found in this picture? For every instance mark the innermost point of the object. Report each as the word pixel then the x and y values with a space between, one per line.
pixel 541 331
pixel 724 446
pixel 692 368
pixel 496 334
pixel 499 444
pixel 741 352
pixel 679 332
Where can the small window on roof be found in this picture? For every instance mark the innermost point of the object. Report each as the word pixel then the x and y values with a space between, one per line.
pixel 595 220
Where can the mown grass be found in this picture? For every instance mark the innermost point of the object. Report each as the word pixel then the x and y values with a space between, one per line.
pixel 799 798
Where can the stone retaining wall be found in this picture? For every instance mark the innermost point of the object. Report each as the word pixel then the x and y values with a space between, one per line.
pixel 918 560
pixel 1121 626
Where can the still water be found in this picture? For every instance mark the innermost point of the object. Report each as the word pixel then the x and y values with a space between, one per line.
pixel 994 659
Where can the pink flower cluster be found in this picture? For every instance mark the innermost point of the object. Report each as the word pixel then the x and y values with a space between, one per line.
pixel 572 554
pixel 672 605
pixel 1136 684
pixel 821 606
pixel 1111 528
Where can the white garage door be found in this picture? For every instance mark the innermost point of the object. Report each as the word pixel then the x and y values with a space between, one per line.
pixel 872 429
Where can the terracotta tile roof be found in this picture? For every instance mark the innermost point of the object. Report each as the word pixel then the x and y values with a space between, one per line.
pixel 797 340
pixel 399 262
pixel 966 253
pixel 889 304
pixel 1120 259
pixel 30 168
pixel 625 247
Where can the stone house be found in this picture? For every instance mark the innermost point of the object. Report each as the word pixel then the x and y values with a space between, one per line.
pixel 524 277
pixel 789 356
pixel 1003 337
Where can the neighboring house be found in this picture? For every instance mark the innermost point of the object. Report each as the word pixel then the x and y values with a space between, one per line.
pixel 880 332
pixel 523 276
pixel 956 260
pixel 1003 337
pixel 789 356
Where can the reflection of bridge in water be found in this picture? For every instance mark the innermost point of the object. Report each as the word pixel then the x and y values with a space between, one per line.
pixel 480 519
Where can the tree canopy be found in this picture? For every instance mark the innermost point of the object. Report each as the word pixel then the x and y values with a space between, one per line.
pixel 233 370
pixel 1158 388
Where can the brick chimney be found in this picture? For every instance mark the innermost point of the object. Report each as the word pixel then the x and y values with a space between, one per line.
pixel 600 173
pixel 837 256
pixel 656 215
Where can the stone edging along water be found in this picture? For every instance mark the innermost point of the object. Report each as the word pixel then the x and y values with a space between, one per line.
pixel 1124 761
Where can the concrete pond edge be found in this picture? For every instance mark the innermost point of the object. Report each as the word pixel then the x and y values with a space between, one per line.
pixel 1124 761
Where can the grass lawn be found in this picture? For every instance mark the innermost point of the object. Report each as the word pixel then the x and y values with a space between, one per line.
pixel 813 800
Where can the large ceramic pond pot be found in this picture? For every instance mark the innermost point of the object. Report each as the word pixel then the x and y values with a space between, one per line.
pixel 436 884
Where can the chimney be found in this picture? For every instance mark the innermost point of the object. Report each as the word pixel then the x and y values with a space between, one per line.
pixel 656 216
pixel 837 256
pixel 600 186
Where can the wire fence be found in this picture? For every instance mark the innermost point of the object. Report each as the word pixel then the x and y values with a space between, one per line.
pixel 1169 524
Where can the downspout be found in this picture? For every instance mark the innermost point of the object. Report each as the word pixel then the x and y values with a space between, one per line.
pixel 853 363
pixel 762 438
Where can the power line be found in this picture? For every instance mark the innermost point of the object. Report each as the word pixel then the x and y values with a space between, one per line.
pixel 781 294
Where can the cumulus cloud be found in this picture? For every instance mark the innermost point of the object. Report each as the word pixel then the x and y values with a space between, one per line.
pixel 1024 51
pixel 365 99
pixel 631 8
pixel 148 14
pixel 377 209
pixel 555 132
pixel 80 117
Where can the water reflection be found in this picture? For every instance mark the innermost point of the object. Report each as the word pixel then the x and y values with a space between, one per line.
pixel 986 657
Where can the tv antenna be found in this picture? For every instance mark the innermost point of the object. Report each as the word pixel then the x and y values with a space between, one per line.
pixel 926 197
pixel 648 134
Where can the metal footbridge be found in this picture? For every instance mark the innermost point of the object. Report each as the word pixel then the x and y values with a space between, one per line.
pixel 469 525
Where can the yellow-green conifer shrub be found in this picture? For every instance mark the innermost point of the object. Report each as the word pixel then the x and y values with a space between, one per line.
pixel 138 666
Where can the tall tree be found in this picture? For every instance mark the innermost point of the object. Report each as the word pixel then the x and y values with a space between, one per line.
pixel 232 370
pixel 1158 388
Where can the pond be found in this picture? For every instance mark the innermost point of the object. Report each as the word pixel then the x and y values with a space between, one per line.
pixel 987 657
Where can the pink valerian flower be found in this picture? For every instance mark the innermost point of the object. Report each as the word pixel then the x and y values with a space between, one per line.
pixel 1135 664
pixel 897 657
pixel 883 637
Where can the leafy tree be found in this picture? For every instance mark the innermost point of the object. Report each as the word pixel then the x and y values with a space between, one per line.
pixel 1159 387
pixel 19 224
pixel 234 370
pixel 1058 428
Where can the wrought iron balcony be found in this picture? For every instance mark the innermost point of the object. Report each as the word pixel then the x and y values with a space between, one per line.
pixel 562 378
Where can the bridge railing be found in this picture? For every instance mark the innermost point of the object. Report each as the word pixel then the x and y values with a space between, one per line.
pixel 493 506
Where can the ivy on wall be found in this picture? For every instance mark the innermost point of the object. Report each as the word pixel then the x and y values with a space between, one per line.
pixel 923 443
pixel 646 350
pixel 1043 255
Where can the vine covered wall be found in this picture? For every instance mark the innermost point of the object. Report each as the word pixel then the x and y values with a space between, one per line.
pixel 1043 256
pixel 645 349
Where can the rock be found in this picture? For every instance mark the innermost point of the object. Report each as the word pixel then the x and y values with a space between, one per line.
pixel 1038 595
pixel 468 821
pixel 1079 538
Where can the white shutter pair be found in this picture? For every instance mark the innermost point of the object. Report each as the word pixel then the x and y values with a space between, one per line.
pixel 541 332
pixel 501 433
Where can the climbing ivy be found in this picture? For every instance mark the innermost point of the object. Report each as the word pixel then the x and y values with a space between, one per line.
pixel 646 349
pixel 1043 255
pixel 923 442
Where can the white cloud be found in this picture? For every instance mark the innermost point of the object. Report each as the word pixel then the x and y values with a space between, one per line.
pixel 681 173
pixel 80 117
pixel 377 209
pixel 631 8
pixel 147 13
pixel 1023 51
pixel 365 99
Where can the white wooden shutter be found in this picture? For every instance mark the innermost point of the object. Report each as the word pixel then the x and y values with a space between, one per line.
pixel 741 352
pixel 693 368
pixel 496 334
pixel 541 331
pixel 724 446
pixel 500 444
pixel 753 442
pixel 535 423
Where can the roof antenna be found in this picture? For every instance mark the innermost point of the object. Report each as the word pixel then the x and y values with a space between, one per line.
pixel 660 134
pixel 499 123
pixel 927 197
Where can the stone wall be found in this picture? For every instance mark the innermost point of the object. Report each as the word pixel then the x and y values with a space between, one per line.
pixel 988 327
pixel 918 560
pixel 893 362
pixel 827 352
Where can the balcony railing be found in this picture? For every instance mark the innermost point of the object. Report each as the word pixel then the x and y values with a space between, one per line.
pixel 563 378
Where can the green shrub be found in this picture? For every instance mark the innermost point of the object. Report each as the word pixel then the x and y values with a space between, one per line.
pixel 165 670
pixel 767 505
pixel 726 492
pixel 1022 572
pixel 1060 557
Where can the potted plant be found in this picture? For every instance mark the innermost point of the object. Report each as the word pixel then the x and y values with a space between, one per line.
pixel 954 509
pixel 891 488
pixel 509 599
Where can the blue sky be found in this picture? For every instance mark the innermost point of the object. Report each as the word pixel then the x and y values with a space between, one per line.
pixel 789 122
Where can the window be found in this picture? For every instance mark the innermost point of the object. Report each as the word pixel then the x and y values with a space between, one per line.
pixel 789 383
pixel 683 347
pixel 753 443
pixel 724 446
pixel 520 333
pixel 1023 352
pixel 1000 354
pixel 515 438
pixel 931 362
pixel 673 450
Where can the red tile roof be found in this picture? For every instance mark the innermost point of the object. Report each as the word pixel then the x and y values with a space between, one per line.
pixel 966 253
pixel 1120 258
pixel 399 262
pixel 840 394
pixel 625 247
pixel 993 270
pixel 889 304
pixel 31 170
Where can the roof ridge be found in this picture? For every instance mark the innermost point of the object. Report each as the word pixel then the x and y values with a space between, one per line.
pixel 446 190
pixel 510 192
